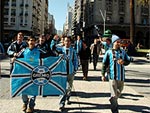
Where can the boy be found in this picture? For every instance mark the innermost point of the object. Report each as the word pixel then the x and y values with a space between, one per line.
pixel 71 66
pixel 114 61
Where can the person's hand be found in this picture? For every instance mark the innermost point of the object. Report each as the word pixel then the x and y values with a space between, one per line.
pixel 13 59
pixel 103 78
pixel 15 54
pixel 120 61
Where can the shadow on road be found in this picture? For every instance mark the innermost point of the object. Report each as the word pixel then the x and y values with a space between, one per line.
pixel 141 61
pixel 135 80
pixel 89 95
pixel 89 78
pixel 131 96
pixel 133 108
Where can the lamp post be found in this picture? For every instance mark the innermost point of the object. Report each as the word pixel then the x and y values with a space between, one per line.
pixel 103 17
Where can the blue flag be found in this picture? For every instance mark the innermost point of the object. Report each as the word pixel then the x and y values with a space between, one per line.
pixel 39 77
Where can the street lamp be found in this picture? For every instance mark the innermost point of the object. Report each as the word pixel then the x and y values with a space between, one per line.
pixel 103 17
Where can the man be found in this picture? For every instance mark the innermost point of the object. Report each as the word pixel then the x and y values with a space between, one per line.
pixel 85 56
pixel 78 44
pixel 42 45
pixel 15 47
pixel 54 42
pixel 106 42
pixel 114 61
pixel 95 51
pixel 33 53
pixel 71 66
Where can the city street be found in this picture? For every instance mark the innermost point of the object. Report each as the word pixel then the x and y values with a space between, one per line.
pixel 89 96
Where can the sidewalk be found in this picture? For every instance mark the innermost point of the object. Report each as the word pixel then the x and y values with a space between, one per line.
pixel 88 97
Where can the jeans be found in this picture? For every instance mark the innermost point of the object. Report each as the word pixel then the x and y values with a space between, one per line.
pixel 116 88
pixel 31 101
pixel 67 95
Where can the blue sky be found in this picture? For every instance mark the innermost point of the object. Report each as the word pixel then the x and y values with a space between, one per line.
pixel 58 8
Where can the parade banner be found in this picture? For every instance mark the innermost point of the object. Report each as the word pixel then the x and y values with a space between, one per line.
pixel 39 76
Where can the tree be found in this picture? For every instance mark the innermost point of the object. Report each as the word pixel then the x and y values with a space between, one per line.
pixel 143 2
pixel 132 22
pixel 132 19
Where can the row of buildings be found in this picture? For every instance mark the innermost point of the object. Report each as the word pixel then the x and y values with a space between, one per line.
pixel 113 15
pixel 28 16
pixel 32 17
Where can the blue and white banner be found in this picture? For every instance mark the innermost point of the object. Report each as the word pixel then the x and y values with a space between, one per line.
pixel 39 77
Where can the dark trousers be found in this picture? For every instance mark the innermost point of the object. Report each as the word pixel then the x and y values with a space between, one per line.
pixel 85 67
pixel 95 60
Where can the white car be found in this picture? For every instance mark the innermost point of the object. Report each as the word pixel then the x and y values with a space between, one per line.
pixel 148 55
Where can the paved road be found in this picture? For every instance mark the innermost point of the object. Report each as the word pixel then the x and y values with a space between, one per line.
pixel 88 96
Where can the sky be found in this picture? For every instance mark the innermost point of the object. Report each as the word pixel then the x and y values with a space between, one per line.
pixel 58 8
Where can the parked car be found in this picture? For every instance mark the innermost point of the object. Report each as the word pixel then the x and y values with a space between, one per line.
pixel 125 42
pixel 148 55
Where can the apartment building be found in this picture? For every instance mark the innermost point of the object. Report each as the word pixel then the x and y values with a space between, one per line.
pixel 68 24
pixel 51 25
pixel 28 16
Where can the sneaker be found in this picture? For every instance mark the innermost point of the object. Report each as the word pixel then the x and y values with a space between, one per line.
pixel 24 107
pixel 62 107
pixel 84 78
pixel 30 110
pixel 68 102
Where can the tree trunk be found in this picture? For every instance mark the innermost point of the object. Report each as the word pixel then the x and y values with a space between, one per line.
pixel 132 21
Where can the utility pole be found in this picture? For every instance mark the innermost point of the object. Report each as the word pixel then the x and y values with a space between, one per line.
pixel 103 17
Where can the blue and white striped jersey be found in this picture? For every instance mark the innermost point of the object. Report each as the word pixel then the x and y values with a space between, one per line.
pixel 109 64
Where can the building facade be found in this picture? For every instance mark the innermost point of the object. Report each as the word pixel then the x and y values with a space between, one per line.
pixel 51 24
pixel 68 24
pixel 113 15
pixel 28 16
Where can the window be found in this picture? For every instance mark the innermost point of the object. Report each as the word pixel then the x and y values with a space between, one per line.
pixel 108 19
pixel 144 20
pixel 5 20
pixel 13 12
pixel 144 10
pixel 13 2
pixel 13 20
pixel 121 20
pixel 6 11
pixel 26 20
pixel 122 6
pixel 109 5
pixel 21 19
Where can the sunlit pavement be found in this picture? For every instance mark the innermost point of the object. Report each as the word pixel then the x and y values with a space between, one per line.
pixel 89 96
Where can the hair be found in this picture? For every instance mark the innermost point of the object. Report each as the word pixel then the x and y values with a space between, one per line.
pixel 69 37
pixel 20 33
pixel 108 39
pixel 83 41
pixel 31 37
